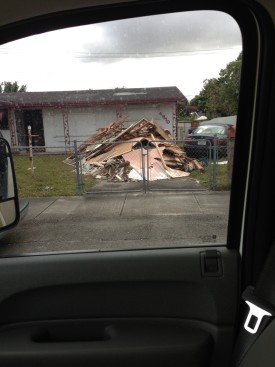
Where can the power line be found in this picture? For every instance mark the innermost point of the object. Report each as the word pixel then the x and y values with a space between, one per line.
pixel 110 55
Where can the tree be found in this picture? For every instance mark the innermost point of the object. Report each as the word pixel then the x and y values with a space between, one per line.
pixel 181 109
pixel 230 84
pixel 219 96
pixel 199 101
pixel 11 87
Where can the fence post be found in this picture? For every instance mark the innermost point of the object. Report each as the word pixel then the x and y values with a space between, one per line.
pixel 215 163
pixel 143 167
pixel 147 168
pixel 30 149
pixel 231 134
pixel 230 154
pixel 77 168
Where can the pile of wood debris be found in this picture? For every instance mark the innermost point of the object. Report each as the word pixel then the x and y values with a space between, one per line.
pixel 142 150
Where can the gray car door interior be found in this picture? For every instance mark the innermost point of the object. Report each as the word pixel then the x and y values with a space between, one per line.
pixel 169 307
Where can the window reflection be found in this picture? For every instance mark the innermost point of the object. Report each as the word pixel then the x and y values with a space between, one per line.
pixel 94 96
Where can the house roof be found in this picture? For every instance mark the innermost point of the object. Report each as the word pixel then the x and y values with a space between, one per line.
pixel 228 120
pixel 91 97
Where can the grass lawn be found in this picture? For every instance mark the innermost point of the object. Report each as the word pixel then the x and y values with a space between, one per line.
pixel 206 178
pixel 51 176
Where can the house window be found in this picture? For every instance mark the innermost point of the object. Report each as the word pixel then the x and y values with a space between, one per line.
pixel 4 121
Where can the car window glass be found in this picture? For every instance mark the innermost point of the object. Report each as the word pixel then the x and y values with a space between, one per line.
pixel 210 130
pixel 99 120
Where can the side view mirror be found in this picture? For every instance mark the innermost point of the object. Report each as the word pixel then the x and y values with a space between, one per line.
pixel 9 204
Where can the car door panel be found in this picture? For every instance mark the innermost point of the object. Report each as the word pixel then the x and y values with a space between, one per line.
pixel 105 343
pixel 118 308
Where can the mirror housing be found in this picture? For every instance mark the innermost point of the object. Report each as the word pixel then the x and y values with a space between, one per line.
pixel 9 203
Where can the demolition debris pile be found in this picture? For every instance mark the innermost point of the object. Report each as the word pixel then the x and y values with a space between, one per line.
pixel 143 150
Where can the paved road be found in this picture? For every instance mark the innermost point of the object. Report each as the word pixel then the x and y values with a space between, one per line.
pixel 120 221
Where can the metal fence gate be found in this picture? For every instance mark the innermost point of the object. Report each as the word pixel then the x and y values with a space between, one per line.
pixel 115 175
pixel 151 173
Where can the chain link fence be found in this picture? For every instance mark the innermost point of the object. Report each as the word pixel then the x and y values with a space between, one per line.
pixel 40 172
pixel 217 157
pixel 140 166
pixel 110 170
pixel 129 166
pixel 168 167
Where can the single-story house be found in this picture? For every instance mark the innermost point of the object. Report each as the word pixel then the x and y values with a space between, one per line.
pixel 59 118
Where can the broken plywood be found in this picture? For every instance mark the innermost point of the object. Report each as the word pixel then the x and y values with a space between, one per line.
pixel 116 153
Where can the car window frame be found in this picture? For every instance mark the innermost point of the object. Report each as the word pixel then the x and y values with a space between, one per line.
pixel 253 22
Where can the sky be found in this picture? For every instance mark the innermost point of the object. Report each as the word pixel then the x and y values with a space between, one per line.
pixel 180 49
